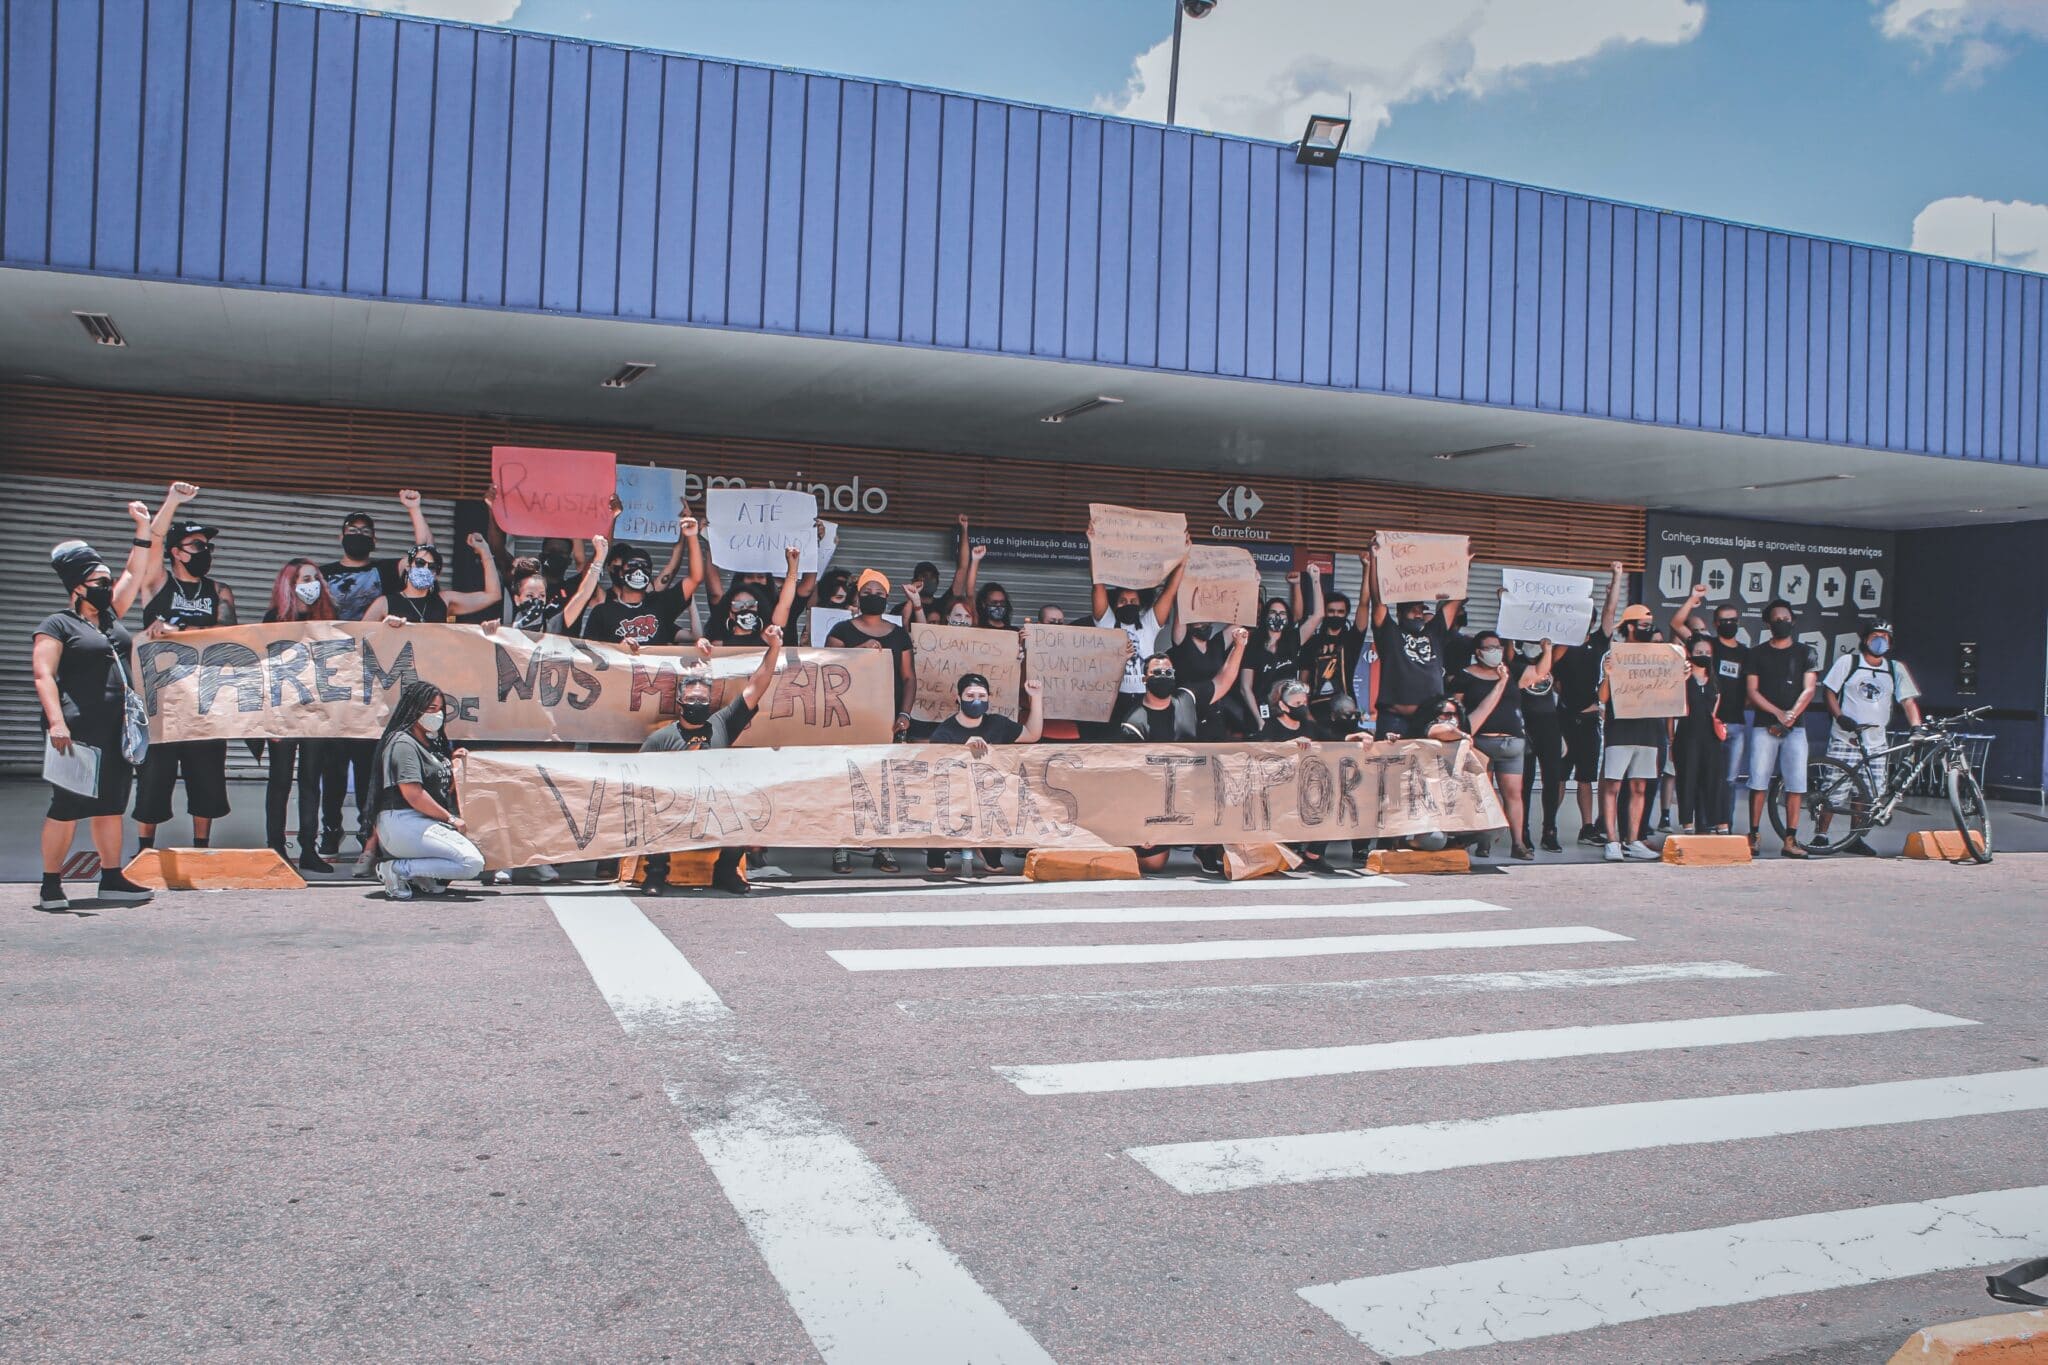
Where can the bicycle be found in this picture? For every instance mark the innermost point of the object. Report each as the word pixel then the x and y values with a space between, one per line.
pixel 1836 789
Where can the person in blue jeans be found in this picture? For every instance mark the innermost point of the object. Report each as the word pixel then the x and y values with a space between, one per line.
pixel 419 832
pixel 1779 676
pixel 1730 656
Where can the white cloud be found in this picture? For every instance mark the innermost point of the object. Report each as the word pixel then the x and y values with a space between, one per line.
pixel 1260 67
pixel 1960 226
pixel 468 11
pixel 1971 29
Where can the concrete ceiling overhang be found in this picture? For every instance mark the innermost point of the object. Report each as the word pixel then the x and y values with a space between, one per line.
pixel 256 344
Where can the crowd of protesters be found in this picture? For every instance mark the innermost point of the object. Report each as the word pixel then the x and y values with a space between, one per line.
pixel 1314 666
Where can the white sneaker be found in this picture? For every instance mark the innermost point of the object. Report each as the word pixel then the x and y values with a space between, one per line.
pixel 1639 851
pixel 430 886
pixel 545 873
pixel 1613 853
pixel 396 887
pixel 502 877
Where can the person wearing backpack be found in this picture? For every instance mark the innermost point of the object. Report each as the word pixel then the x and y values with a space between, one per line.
pixel 1860 689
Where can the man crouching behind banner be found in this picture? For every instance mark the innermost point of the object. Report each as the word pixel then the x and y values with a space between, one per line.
pixel 699 727
pixel 419 835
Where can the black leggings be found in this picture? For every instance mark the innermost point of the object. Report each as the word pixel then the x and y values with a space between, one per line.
pixel 1546 746
pixel 341 756
pixel 309 758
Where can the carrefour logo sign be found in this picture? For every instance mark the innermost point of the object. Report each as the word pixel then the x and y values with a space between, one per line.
pixel 1240 503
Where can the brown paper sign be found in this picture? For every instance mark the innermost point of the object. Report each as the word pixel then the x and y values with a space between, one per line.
pixel 941 654
pixel 1415 567
pixel 543 807
pixel 338 680
pixel 1221 584
pixel 1079 668
pixel 1646 681
pixel 1129 547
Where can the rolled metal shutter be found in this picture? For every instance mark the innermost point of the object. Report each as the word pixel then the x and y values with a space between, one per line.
pixel 258 533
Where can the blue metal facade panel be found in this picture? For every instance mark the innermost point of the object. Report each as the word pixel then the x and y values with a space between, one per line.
pixel 275 144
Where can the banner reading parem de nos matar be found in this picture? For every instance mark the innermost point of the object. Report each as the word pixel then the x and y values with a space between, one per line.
pixel 338 680
pixel 545 807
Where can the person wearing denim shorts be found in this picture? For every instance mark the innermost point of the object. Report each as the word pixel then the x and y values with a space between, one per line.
pixel 1779 676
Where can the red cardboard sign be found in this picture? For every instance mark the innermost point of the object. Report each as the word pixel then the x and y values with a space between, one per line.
pixel 553 492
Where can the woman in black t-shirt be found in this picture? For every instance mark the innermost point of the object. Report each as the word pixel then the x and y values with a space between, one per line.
pixel 1491 694
pixel 1699 748
pixel 1290 721
pixel 977 727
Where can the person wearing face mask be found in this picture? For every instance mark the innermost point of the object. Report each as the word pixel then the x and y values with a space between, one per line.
pixel 1630 754
pixel 676 598
pixel 1780 675
pixel 1290 720
pixel 870 627
pixel 421 844
pixel 700 726
pixel 530 606
pixel 959 613
pixel 299 594
pixel 976 726
pixel 1198 652
pixel 1410 642
pixel 1698 743
pixel 1274 653
pixel 1730 657
pixel 1333 648
pixel 1169 713
pixel 1576 670
pixel 1126 609
pixel 1490 692
pixel 421 602
pixel 80 682
pixel 1535 688
pixel 180 595
pixel 1860 690
pixel 740 620
pixel 628 616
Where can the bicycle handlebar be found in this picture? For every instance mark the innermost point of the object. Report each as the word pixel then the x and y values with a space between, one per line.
pixel 1949 723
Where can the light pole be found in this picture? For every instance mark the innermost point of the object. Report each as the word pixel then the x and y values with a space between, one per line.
pixel 1193 9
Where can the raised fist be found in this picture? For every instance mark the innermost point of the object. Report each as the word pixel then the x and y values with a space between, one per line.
pixel 409 498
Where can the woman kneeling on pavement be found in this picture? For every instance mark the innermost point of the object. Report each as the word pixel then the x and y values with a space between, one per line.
pixel 420 836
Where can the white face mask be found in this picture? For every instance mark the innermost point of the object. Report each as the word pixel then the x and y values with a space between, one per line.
pixel 432 722
pixel 309 593
pixel 1489 657
pixel 1532 651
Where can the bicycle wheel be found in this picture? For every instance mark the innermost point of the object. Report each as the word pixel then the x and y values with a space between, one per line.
pixel 1973 814
pixel 1834 814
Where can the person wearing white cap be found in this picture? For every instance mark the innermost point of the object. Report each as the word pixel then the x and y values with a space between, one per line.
pixel 1629 753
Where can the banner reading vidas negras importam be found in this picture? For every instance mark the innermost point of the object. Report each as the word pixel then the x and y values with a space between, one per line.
pixel 339 679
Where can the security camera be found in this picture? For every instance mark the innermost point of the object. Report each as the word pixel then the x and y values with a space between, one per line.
pixel 1196 9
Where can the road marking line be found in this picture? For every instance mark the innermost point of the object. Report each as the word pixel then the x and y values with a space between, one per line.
pixel 1248 1163
pixel 1576 1289
pixel 862 1272
pixel 1149 886
pixel 1471 1049
pixel 1170 998
pixel 1212 950
pixel 1133 914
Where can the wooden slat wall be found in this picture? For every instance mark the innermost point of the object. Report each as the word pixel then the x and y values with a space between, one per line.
pixel 276 447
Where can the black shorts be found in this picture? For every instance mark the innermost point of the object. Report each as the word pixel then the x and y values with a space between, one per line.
pixel 1581 746
pixel 116 778
pixel 204 765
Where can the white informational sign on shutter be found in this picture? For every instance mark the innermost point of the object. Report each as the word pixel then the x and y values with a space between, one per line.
pixel 258 533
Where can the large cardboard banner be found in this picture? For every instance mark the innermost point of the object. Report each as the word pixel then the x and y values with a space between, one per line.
pixel 942 653
pixel 1079 668
pixel 1129 547
pixel 1412 566
pixel 1646 681
pixel 751 529
pixel 650 505
pixel 540 492
pixel 526 807
pixel 338 680
pixel 1221 584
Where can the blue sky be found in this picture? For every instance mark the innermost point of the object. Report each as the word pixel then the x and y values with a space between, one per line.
pixel 1847 118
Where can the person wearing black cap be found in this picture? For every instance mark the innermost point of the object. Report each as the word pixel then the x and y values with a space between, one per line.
pixel 80 682
pixel 181 596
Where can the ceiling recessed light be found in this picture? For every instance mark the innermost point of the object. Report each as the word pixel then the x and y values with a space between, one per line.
pixel 1100 400
pixel 1480 450
pixel 100 328
pixel 1796 483
pixel 627 373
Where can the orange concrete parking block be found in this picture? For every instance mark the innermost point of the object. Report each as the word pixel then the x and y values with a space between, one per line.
pixel 1413 862
pixel 1945 845
pixel 692 868
pixel 2008 1339
pixel 213 869
pixel 1087 865
pixel 1706 850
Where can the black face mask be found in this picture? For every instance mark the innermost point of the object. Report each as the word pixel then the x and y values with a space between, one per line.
pixel 637 577
pixel 1726 629
pixel 1276 624
pixel 1414 625
pixel 1333 624
pixel 530 614
pixel 1298 711
pixel 357 544
pixel 554 563
pixel 1160 684
pixel 1702 661
pixel 100 596
pixel 998 612
pixel 199 561
pixel 696 712
pixel 1781 630
pixel 873 603
pixel 746 622
pixel 1129 613
pixel 1637 633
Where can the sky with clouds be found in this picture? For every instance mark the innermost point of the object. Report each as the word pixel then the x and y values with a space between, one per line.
pixel 1894 122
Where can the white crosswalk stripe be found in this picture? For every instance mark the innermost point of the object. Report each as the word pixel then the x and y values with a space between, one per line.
pixel 1200 888
pixel 1126 914
pixel 1210 950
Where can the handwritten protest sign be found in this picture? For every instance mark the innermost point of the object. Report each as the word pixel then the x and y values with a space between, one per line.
pixel 942 653
pixel 1414 567
pixel 338 680
pixel 552 492
pixel 828 543
pixel 1545 606
pixel 1132 548
pixel 751 528
pixel 650 505
pixel 1079 668
pixel 1646 681
pixel 1221 584
pixel 545 807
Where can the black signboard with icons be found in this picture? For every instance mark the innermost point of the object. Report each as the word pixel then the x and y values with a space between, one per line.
pixel 1834 578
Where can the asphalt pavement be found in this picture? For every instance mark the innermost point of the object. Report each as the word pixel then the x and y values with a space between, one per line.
pixel 1784 1112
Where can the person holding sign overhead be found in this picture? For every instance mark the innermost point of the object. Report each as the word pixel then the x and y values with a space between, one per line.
pixel 1631 753
pixel 1128 610
pixel 1410 641
pixel 739 619
pixel 977 727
